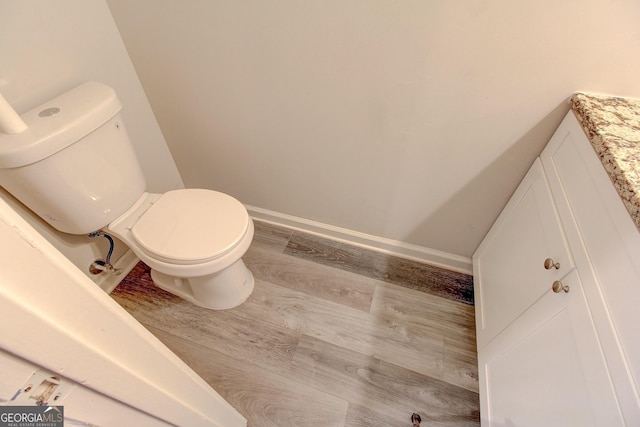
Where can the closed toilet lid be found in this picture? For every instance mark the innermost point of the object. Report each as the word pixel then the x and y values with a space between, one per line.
pixel 191 226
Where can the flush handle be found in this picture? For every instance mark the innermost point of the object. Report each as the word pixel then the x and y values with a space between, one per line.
pixel 549 264
pixel 558 287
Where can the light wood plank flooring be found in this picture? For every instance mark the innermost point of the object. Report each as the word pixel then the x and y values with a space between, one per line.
pixel 332 335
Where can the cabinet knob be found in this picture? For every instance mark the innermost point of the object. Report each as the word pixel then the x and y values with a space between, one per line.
pixel 558 286
pixel 549 264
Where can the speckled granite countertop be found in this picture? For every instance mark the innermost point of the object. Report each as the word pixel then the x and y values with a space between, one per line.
pixel 612 124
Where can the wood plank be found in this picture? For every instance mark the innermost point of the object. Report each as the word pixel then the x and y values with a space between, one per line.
pixel 460 365
pixel 387 388
pixel 360 416
pixel 233 332
pixel 264 397
pixel 426 311
pixel 314 279
pixel 420 312
pixel 387 339
pixel 391 269
pixel 270 236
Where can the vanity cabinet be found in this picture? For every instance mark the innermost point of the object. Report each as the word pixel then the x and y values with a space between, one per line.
pixel 557 293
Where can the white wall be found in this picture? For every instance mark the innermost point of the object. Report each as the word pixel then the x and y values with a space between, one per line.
pixel 50 46
pixel 411 120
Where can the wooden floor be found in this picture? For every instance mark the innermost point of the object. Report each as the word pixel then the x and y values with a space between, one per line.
pixel 331 336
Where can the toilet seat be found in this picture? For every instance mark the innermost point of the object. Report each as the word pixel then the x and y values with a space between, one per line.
pixel 191 226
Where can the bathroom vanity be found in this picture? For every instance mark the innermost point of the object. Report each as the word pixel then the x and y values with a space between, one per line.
pixel 557 279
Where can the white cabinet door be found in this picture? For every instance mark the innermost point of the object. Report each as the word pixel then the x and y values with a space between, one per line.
pixel 605 246
pixel 509 272
pixel 546 369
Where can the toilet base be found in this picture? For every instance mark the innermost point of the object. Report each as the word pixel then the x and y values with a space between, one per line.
pixel 219 291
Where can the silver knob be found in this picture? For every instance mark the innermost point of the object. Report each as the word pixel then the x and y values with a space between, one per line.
pixel 558 287
pixel 549 264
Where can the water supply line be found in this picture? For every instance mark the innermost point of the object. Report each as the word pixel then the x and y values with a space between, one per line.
pixel 99 266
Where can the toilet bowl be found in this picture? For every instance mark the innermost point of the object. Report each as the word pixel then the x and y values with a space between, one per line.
pixel 193 240
pixel 76 168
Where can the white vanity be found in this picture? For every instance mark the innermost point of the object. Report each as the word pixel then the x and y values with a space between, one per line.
pixel 557 280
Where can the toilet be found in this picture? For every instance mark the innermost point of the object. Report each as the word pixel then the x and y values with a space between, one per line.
pixel 75 167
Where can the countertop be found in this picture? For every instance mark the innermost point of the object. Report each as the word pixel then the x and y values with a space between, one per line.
pixel 612 124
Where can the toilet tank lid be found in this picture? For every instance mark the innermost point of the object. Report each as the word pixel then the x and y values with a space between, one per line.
pixel 56 124
pixel 191 226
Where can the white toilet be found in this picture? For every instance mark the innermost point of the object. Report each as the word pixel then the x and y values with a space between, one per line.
pixel 75 167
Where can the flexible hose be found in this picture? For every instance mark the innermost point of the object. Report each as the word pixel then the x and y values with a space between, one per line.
pixel 107 260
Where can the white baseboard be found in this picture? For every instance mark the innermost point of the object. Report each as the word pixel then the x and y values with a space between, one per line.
pixel 380 244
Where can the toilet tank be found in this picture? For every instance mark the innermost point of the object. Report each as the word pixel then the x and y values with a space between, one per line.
pixel 74 166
